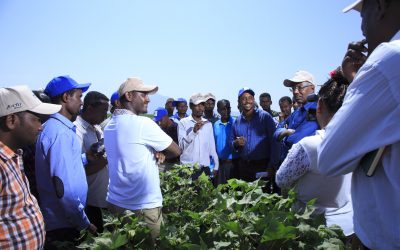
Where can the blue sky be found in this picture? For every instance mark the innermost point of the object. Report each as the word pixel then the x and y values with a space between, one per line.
pixel 182 46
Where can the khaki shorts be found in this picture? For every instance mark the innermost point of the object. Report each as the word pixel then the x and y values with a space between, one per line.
pixel 152 217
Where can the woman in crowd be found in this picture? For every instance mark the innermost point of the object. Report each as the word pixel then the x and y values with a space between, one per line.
pixel 299 169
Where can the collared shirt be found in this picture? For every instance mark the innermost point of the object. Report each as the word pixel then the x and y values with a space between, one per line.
pixel 258 133
pixel 176 117
pixel 131 142
pixel 21 222
pixel 222 135
pixel 197 147
pixel 369 119
pixel 60 175
pixel 299 121
pixel 97 182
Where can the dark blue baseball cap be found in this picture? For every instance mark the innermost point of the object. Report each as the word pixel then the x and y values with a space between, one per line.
pixel 62 84
pixel 175 103
pixel 159 113
pixel 246 90
pixel 114 97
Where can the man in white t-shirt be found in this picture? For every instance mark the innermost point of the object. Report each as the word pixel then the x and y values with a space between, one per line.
pixel 134 144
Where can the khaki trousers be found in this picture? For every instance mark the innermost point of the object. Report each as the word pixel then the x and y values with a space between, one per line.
pixel 152 217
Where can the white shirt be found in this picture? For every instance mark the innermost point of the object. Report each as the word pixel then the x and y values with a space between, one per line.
pixel 131 142
pixel 197 147
pixel 97 182
pixel 299 169
pixel 369 119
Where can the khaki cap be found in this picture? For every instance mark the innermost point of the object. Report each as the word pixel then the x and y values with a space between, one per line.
pixel 197 98
pixel 136 84
pixel 299 77
pixel 20 98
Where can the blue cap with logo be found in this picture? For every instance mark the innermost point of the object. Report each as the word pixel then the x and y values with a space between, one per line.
pixel 180 99
pixel 246 90
pixel 62 84
pixel 159 113
pixel 114 97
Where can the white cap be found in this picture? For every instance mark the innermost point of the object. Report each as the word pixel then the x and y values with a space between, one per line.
pixel 21 98
pixel 197 98
pixel 209 96
pixel 357 5
pixel 136 84
pixel 299 77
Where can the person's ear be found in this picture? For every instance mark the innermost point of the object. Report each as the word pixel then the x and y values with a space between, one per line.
pixel 383 6
pixel 129 96
pixel 319 106
pixel 65 97
pixel 11 121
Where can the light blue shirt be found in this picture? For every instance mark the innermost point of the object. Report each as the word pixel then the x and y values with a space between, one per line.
pixel 58 156
pixel 369 119
pixel 222 135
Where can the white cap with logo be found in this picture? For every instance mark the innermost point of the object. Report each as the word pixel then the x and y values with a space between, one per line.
pixel 21 98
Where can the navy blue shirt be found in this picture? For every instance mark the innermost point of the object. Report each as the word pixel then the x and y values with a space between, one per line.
pixel 301 123
pixel 258 133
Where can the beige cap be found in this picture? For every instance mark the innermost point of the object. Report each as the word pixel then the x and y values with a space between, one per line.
pixel 136 84
pixel 209 96
pixel 197 98
pixel 357 5
pixel 299 76
pixel 21 98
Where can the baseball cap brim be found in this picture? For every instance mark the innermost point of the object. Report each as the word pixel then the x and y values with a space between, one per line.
pixel 357 5
pixel 83 86
pixel 289 83
pixel 46 109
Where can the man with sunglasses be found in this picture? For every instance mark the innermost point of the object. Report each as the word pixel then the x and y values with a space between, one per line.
pixel 302 122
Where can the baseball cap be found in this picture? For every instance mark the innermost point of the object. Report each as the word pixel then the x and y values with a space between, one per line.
pixel 136 84
pixel 159 113
pixel 209 96
pixel 62 84
pixel 180 99
pixel 299 76
pixel 21 98
pixel 357 5
pixel 197 99
pixel 114 97
pixel 246 90
pixel 169 100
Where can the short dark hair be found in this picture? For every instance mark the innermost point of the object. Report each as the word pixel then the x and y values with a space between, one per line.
pixel 263 95
pixel 285 99
pixel 93 98
pixel 57 99
pixel 223 102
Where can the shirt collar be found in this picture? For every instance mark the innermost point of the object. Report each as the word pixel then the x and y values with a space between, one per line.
pixel 193 120
pixel 309 105
pixel 63 120
pixel 123 112
pixel 396 36
pixel 6 153
pixel 83 122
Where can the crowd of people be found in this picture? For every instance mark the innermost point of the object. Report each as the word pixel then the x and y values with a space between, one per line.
pixel 63 162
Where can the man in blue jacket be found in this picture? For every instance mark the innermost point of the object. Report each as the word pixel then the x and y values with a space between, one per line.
pixel 302 122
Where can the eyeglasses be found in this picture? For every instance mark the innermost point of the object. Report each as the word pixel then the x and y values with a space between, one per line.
pixel 300 88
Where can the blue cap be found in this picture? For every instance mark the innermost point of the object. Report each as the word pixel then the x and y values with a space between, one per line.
pixel 245 90
pixel 62 84
pixel 114 97
pixel 175 103
pixel 159 113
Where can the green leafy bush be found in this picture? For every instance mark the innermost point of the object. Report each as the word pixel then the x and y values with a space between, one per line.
pixel 236 215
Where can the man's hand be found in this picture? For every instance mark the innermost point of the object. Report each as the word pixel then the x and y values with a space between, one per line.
pixel 160 156
pixel 95 162
pixel 92 229
pixel 353 59
pixel 198 126
pixel 215 173
pixel 286 133
pixel 239 141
